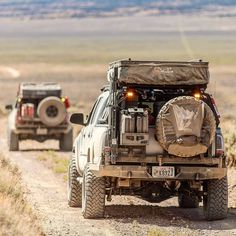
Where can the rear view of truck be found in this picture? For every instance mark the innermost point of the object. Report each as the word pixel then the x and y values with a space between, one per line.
pixel 163 139
pixel 40 113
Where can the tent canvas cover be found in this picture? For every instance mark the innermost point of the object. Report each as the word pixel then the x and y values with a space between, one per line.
pixel 160 73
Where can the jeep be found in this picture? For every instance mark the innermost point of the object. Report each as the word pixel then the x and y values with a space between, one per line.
pixel 40 113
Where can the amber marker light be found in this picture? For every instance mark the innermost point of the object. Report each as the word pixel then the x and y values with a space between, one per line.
pixel 197 95
pixel 130 94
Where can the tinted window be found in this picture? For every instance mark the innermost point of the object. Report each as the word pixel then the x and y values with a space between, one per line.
pixel 92 111
pixel 99 109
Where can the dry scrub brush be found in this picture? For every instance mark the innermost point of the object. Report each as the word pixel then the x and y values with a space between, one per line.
pixel 16 217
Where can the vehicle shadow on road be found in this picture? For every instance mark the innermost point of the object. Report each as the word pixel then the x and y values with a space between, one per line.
pixel 170 215
pixel 39 150
pixel 43 150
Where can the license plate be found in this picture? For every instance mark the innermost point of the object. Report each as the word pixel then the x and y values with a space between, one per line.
pixel 42 131
pixel 163 172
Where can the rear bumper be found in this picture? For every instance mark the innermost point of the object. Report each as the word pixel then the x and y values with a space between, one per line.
pixel 144 173
pixel 35 130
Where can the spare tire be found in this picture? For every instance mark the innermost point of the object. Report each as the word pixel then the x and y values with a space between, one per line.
pixel 185 126
pixel 51 111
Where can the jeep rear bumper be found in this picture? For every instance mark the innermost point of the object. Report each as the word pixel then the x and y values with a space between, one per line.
pixel 143 173
pixel 37 130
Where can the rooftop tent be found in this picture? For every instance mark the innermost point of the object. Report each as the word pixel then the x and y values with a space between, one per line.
pixel 160 73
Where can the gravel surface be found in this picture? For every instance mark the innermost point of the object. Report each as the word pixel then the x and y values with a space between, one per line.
pixel 124 215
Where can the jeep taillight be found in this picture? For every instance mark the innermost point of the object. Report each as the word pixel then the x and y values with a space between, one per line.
pixel 18 117
pixel 220 149
pixel 66 101
pixel 215 107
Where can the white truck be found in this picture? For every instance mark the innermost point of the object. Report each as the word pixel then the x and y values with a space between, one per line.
pixel 154 133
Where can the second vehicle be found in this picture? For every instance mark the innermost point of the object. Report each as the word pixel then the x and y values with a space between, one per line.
pixel 40 113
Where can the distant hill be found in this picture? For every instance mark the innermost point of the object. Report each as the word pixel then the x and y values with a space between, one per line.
pixel 83 8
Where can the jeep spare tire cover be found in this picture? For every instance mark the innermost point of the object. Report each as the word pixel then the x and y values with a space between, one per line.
pixel 51 111
pixel 185 126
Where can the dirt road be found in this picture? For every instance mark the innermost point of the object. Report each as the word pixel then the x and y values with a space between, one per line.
pixel 124 215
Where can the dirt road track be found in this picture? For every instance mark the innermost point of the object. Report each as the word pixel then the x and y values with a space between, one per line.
pixel 124 216
pixel 48 196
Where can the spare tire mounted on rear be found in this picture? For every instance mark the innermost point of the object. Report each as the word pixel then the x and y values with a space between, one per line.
pixel 51 111
pixel 185 126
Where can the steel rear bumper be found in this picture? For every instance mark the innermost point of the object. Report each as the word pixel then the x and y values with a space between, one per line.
pixel 50 130
pixel 139 172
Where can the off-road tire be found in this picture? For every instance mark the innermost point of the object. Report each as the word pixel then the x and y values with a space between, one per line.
pixel 13 141
pixel 186 201
pixel 66 141
pixel 74 187
pixel 215 203
pixel 51 111
pixel 93 195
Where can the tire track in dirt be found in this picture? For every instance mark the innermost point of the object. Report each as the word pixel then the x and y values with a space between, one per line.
pixel 47 194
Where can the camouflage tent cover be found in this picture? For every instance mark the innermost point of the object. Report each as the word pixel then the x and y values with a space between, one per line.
pixel 162 73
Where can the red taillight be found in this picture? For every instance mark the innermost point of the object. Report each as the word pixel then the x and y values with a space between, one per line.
pixel 66 101
pixel 215 107
pixel 18 117
pixel 220 149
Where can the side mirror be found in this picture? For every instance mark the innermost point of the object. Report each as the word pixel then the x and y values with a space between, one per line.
pixel 77 118
pixel 8 107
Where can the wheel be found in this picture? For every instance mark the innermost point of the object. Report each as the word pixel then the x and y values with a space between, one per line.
pixel 93 195
pixel 51 111
pixel 186 201
pixel 177 128
pixel 66 141
pixel 13 141
pixel 215 202
pixel 74 187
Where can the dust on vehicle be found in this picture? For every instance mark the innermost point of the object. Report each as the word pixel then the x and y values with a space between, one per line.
pixel 40 113
pixel 154 132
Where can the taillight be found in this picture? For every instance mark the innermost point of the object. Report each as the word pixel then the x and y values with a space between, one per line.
pixel 18 118
pixel 220 147
pixel 215 107
pixel 66 101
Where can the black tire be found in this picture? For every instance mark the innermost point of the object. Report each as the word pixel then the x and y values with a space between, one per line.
pixel 93 195
pixel 74 187
pixel 13 141
pixel 186 201
pixel 66 141
pixel 215 202
pixel 51 111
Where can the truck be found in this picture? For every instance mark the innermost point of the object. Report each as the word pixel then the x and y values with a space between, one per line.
pixel 39 113
pixel 154 132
